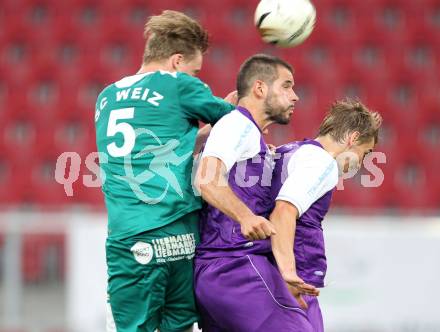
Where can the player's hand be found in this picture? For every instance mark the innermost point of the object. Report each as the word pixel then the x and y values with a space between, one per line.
pixel 232 97
pixel 272 148
pixel 298 297
pixel 297 283
pixel 256 228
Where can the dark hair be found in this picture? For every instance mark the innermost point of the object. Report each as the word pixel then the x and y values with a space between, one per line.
pixel 173 32
pixel 259 67
pixel 347 116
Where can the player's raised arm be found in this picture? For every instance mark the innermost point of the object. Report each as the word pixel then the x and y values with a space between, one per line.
pixel 203 133
pixel 198 102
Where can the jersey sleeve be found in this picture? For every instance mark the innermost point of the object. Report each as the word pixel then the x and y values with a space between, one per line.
pixel 198 102
pixel 234 138
pixel 312 172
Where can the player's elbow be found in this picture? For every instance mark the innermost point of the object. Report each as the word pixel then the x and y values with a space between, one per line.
pixel 203 185
pixel 209 177
pixel 206 189
pixel 283 211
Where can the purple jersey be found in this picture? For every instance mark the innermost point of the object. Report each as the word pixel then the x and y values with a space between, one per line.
pixel 249 179
pixel 238 286
pixel 306 175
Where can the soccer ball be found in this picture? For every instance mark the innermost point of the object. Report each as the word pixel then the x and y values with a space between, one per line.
pixel 285 23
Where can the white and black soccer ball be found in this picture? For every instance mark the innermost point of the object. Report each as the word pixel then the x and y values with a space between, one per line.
pixel 285 23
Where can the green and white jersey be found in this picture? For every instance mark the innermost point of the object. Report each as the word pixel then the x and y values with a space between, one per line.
pixel 146 126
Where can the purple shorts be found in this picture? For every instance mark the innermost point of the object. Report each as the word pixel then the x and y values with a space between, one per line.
pixel 314 314
pixel 248 294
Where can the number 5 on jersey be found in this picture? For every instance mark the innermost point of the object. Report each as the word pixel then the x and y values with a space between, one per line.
pixel 122 127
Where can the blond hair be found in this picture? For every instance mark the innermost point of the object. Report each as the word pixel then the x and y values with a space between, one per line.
pixel 347 116
pixel 172 33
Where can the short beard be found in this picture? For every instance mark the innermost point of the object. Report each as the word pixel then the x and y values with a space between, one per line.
pixel 274 113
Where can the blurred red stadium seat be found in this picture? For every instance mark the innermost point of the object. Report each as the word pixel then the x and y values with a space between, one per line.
pixel 37 250
pixel 56 56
